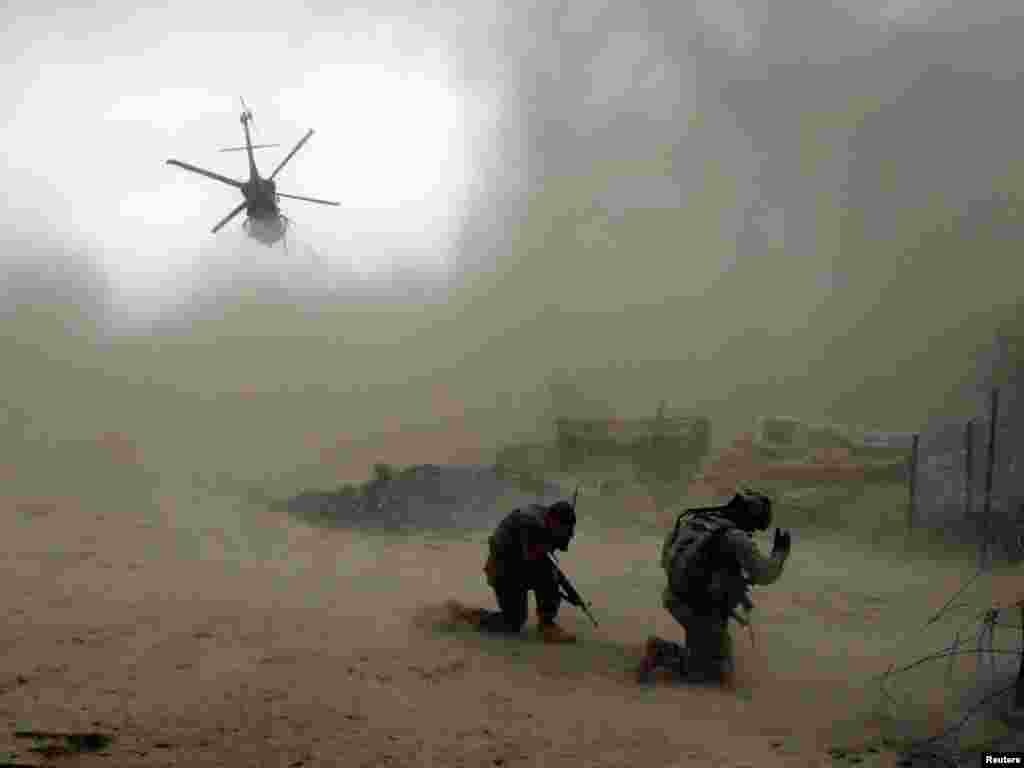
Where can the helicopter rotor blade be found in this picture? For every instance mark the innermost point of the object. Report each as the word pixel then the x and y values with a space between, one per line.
pixel 308 199
pixel 229 217
pixel 291 154
pixel 204 172
pixel 254 146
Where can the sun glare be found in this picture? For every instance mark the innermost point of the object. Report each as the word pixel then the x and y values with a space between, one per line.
pixel 387 140
pixel 390 146
pixel 397 142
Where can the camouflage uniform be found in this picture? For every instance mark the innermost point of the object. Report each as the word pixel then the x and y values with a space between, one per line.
pixel 518 563
pixel 703 593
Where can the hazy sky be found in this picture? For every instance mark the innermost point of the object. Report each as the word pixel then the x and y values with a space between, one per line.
pixel 781 206
pixel 98 99
pixel 407 100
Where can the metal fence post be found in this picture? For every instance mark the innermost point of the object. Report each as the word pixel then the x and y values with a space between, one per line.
pixel 1018 696
pixel 969 472
pixel 911 507
pixel 986 521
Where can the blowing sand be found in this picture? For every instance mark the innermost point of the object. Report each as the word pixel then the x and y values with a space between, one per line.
pixel 326 650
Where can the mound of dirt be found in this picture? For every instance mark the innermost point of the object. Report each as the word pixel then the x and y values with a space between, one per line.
pixel 425 496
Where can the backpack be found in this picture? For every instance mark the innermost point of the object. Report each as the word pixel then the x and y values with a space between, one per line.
pixel 690 555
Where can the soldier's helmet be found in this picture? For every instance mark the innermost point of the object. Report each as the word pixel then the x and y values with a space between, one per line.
pixel 563 512
pixel 751 510
pixel 564 527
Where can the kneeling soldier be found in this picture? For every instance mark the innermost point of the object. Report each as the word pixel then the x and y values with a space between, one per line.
pixel 710 559
pixel 518 563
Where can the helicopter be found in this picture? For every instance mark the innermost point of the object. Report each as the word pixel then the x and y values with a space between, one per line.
pixel 264 221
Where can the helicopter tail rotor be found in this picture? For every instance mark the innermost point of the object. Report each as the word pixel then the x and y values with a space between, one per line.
pixel 254 146
pixel 246 112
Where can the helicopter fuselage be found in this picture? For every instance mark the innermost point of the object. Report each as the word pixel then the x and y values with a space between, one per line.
pixel 264 220
pixel 267 230
pixel 260 198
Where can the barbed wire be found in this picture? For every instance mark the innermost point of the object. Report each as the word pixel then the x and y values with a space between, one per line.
pixel 963 587
pixel 930 748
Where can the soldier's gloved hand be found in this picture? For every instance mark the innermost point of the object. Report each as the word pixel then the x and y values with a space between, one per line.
pixel 536 552
pixel 782 543
pixel 491 569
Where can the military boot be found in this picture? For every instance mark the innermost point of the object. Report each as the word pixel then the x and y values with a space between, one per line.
pixel 460 612
pixel 552 633
pixel 659 653
pixel 649 662
pixel 704 671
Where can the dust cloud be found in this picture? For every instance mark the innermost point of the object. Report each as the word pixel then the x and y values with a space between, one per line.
pixel 800 209
pixel 792 209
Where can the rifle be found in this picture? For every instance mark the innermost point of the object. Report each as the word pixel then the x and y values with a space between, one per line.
pixel 568 591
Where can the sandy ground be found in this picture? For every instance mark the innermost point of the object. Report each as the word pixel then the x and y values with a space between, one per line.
pixel 322 652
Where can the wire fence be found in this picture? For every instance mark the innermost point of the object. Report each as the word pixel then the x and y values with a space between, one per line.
pixel 967 478
pixel 944 747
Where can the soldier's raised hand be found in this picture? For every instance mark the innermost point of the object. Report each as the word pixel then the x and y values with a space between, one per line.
pixel 782 542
